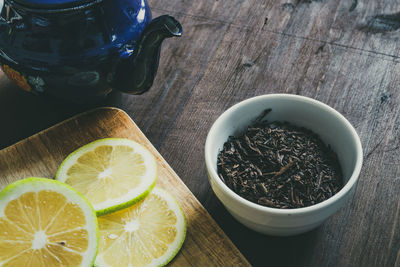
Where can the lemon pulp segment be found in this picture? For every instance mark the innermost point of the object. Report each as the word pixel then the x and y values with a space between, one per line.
pixel 112 173
pixel 43 228
pixel 148 233
pixel 106 173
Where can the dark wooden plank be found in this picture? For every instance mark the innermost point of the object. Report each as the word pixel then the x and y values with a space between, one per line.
pixel 343 53
pixel 358 82
pixel 359 97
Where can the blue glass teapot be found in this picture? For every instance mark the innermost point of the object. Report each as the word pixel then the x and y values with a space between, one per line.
pixel 80 50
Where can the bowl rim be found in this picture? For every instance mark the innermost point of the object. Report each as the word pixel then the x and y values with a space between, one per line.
pixel 328 202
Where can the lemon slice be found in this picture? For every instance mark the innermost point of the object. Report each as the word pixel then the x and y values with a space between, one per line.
pixel 112 173
pixel 149 233
pixel 46 223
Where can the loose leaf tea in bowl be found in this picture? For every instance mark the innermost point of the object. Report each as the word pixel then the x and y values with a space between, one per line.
pixel 279 165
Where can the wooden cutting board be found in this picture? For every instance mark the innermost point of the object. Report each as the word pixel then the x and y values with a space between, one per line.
pixel 41 154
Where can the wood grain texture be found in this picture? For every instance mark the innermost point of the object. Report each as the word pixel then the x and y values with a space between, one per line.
pixel 41 154
pixel 343 53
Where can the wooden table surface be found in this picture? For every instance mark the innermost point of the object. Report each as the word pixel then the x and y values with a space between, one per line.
pixel 343 53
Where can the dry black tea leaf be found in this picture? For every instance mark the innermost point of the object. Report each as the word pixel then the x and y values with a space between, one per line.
pixel 279 165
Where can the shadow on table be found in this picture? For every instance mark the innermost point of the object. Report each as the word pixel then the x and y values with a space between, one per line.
pixel 276 251
pixel 23 114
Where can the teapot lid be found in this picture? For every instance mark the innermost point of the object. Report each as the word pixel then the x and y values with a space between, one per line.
pixel 53 4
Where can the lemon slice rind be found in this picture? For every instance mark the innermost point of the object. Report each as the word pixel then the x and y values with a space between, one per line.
pixel 135 194
pixel 34 185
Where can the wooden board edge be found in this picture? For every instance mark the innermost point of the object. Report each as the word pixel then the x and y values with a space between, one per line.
pixel 122 113
pixel 60 123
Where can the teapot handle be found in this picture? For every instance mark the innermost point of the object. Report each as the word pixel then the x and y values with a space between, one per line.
pixel 135 74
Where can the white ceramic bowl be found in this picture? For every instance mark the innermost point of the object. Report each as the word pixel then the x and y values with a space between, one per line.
pixel 329 124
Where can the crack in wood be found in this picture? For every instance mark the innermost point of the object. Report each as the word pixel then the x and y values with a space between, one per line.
pixel 320 49
pixel 384 98
pixel 392 149
pixel 265 22
pixel 353 5
pixel 383 23
pixel 248 28
pixel 288 7
pixel 373 149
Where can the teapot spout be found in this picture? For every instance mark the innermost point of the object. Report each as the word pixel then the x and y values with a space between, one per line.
pixel 135 74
